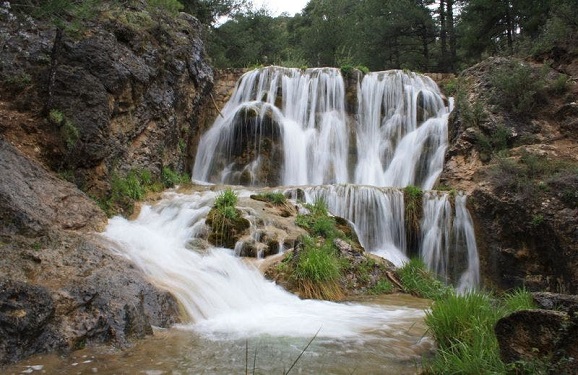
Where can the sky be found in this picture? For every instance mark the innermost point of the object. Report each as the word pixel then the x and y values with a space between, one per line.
pixel 279 6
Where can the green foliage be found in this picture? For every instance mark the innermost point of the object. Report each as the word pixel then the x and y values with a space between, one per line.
pixel 170 6
pixel 170 178
pixel 68 131
pixel 530 175
pixel 463 327
pixel 227 198
pixel 70 15
pixel 517 88
pixel 18 82
pixel 318 222
pixel 537 220
pixel 277 198
pixel 495 143
pixel 518 299
pixel 472 114
pixel 318 269
pixel 382 287
pixel 317 262
pixel 417 280
pixel 348 70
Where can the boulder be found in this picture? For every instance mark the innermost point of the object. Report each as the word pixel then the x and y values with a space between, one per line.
pixel 544 337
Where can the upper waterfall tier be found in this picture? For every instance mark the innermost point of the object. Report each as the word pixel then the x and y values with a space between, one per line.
pixel 287 126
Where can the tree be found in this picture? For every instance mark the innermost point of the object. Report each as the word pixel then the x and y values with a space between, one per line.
pixel 210 11
pixel 249 39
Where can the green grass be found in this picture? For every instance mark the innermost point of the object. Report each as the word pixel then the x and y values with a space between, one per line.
pixel 275 197
pixel 463 327
pixel 417 280
pixel 382 287
pixel 227 198
pixel 318 270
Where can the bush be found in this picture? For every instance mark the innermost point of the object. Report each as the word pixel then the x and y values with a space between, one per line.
pixel 517 88
pixel 171 178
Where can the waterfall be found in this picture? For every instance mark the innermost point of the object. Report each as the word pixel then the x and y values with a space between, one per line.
pixel 377 213
pixel 289 127
pixel 222 295
pixel 402 130
pixel 281 127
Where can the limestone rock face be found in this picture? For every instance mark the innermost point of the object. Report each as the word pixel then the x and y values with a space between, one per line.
pixel 61 287
pixel 129 95
pixel 33 199
pixel 525 211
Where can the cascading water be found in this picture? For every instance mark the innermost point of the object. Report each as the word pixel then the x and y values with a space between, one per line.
pixel 280 127
pixel 288 127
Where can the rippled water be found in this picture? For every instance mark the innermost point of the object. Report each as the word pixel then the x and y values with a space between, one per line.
pixel 397 348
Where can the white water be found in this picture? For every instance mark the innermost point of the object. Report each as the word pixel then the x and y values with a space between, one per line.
pixel 400 131
pixel 306 110
pixel 225 297
pixel 399 134
pixel 394 148
pixel 377 213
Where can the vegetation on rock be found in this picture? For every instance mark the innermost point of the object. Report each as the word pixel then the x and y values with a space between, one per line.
pixel 225 220
pixel 329 263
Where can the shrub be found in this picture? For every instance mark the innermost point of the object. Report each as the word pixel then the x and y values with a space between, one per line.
pixel 170 178
pixel 516 88
pixel 496 143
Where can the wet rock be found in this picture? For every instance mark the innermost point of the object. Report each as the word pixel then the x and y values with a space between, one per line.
pixel 33 199
pixel 79 293
pixel 226 231
pixel 546 336
pixel 26 312
pixel 555 301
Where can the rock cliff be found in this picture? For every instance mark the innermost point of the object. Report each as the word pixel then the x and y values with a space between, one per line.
pixel 519 162
pixel 121 91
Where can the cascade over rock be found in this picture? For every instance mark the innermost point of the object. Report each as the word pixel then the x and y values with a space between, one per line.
pixel 287 127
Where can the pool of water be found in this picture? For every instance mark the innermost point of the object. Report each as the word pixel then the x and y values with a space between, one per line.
pixel 398 347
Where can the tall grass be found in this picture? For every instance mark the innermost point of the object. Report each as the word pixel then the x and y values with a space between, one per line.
pixel 463 327
pixel 318 270
pixel 417 280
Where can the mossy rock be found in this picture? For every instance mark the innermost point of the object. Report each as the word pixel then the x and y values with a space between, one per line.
pixel 226 231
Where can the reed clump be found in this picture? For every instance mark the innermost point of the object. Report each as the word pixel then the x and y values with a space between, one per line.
pixel 463 327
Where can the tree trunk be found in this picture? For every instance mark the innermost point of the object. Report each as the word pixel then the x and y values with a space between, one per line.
pixel 443 36
pixel 452 34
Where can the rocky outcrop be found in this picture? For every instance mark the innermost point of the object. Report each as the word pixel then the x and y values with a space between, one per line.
pixel 124 93
pixel 542 338
pixel 61 287
pixel 32 199
pixel 519 171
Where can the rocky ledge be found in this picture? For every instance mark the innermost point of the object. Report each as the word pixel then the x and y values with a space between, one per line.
pixel 61 286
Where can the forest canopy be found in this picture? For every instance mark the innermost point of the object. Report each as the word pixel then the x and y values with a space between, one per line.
pixel 420 35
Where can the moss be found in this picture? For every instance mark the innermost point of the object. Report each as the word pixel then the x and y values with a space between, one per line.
pixel 413 201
